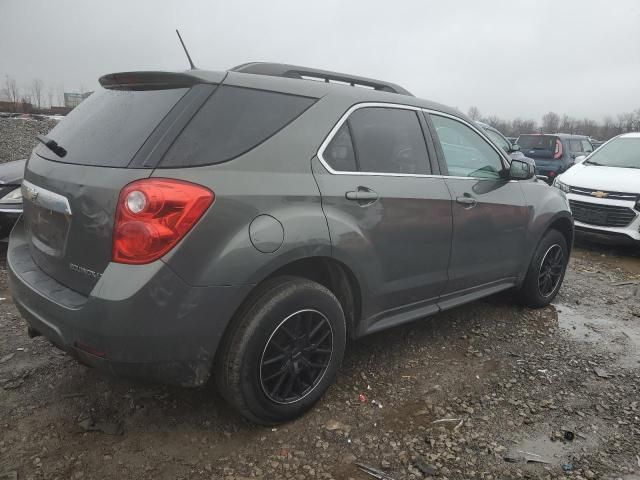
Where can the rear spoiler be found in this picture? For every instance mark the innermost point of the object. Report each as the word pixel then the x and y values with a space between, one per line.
pixel 149 80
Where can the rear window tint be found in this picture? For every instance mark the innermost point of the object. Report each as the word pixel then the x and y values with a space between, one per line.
pixel 537 142
pixel 109 127
pixel 233 121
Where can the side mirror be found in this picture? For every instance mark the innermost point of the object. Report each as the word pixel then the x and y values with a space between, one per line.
pixel 580 159
pixel 514 148
pixel 522 169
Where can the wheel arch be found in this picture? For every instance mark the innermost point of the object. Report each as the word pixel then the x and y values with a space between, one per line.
pixel 335 276
pixel 563 224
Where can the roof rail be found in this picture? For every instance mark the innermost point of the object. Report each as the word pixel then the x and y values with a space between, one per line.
pixel 304 73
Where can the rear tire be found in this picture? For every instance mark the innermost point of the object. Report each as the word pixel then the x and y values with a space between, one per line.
pixel 282 350
pixel 546 271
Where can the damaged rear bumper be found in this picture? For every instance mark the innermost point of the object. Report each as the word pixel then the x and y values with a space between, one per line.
pixel 139 321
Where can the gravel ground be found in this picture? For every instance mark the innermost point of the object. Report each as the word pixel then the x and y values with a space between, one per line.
pixel 18 136
pixel 485 391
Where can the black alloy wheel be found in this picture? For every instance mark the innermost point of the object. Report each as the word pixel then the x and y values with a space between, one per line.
pixel 296 356
pixel 551 270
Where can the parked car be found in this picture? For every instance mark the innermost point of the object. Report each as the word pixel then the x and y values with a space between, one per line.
pixel 554 153
pixel 11 174
pixel 513 149
pixel 245 223
pixel 604 189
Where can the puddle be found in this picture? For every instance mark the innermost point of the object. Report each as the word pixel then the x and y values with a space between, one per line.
pixel 617 257
pixel 540 451
pixel 610 334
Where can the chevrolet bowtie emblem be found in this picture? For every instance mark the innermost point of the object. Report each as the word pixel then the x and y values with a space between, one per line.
pixel 599 194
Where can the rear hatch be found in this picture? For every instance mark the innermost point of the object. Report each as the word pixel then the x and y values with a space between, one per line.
pixel 543 147
pixel 70 201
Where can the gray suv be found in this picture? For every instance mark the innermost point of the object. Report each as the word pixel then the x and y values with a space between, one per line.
pixel 245 224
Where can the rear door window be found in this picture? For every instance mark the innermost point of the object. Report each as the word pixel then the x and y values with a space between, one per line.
pixel 109 127
pixel 340 154
pixel 389 140
pixel 466 153
pixel 233 121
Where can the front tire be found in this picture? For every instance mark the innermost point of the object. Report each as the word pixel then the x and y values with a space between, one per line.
pixel 546 271
pixel 283 350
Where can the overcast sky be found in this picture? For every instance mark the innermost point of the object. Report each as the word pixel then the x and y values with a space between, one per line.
pixel 508 58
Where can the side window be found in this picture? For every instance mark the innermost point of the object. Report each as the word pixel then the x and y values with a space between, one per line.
pixel 389 140
pixel 339 153
pixel 233 121
pixel 575 146
pixel 466 153
pixel 586 146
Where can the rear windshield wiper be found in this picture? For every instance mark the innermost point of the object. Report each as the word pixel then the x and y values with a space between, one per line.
pixel 52 145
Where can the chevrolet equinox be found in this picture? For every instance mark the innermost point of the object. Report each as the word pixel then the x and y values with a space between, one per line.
pixel 244 224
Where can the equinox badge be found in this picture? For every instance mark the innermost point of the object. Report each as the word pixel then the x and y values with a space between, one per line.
pixel 84 271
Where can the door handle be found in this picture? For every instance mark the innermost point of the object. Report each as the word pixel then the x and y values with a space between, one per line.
pixel 362 194
pixel 468 202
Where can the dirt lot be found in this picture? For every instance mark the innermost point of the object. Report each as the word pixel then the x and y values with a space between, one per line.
pixel 487 391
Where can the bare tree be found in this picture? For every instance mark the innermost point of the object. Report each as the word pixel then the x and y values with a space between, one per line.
pixel 36 92
pixel 550 122
pixel 11 91
pixel 519 126
pixel 474 113
pixel 50 95
pixel 625 122
pixel 567 124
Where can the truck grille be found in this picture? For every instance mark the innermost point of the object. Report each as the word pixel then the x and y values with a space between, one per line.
pixel 601 215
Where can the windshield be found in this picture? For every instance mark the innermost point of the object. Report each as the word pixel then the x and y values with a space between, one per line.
pixel 498 140
pixel 621 152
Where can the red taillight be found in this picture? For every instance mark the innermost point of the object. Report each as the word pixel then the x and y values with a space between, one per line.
pixel 558 153
pixel 153 215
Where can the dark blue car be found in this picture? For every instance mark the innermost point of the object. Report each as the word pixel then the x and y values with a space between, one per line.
pixel 554 153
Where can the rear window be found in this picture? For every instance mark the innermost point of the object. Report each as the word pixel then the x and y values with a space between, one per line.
pixel 109 127
pixel 575 146
pixel 537 142
pixel 233 121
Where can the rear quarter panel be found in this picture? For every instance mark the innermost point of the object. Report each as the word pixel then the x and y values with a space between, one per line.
pixel 273 179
